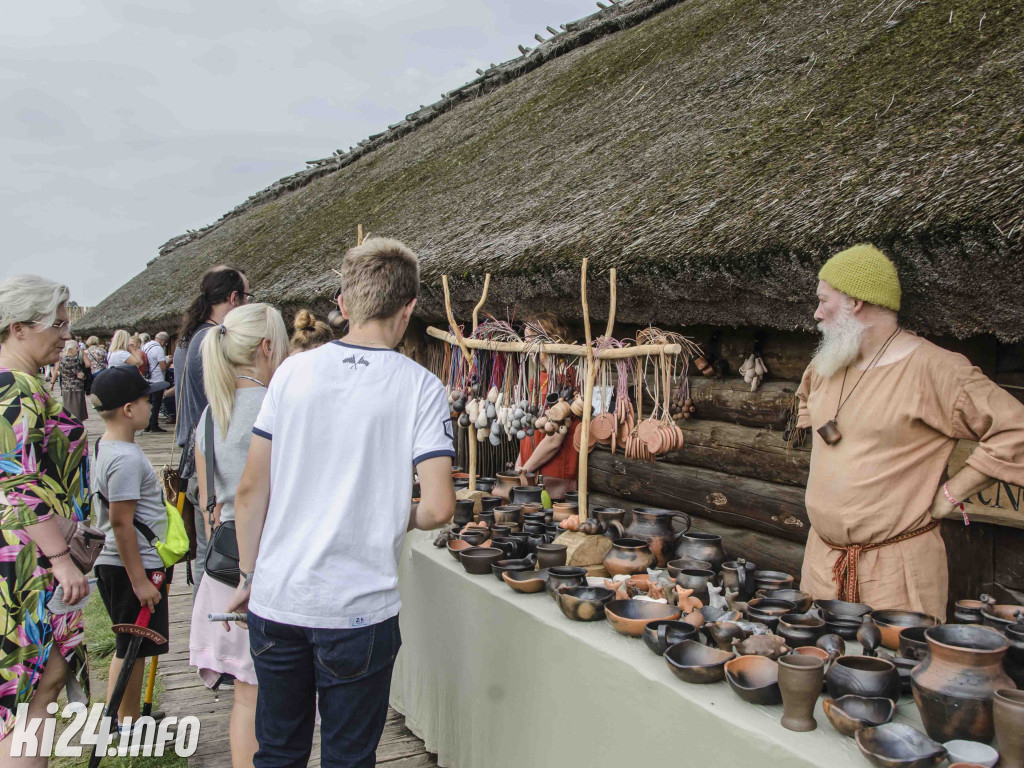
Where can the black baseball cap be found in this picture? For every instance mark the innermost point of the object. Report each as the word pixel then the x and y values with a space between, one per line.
pixel 120 385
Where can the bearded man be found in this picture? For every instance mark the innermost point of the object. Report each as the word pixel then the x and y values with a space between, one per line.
pixel 886 408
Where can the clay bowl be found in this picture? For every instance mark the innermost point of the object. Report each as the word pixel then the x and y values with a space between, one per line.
pixel 478 560
pixel 659 635
pixel 584 603
pixel 848 714
pixel 895 745
pixel 971 753
pixel 475 536
pixel 892 623
pixel 629 617
pixel 863 676
pixel 772 580
pixel 527 582
pixel 768 611
pixel 912 644
pixel 1000 616
pixel 692 662
pixel 456 546
pixel 799 629
pixel 520 564
pixel 801 600
pixel 486 484
pixel 684 563
pixel 833 610
pixel 846 629
pixel 755 679
pixel 812 650
pixel 565 576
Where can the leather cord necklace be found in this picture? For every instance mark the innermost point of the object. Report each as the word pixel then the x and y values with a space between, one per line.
pixel 830 430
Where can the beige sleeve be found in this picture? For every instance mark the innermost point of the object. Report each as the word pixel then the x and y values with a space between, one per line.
pixel 803 417
pixel 986 412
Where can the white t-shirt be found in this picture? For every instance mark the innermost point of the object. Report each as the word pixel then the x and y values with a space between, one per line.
pixel 347 426
pixel 118 358
pixel 155 355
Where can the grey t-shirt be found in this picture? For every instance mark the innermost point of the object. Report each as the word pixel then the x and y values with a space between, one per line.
pixel 190 393
pixel 232 450
pixel 123 473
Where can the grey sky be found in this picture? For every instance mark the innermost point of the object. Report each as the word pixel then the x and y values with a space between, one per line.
pixel 124 123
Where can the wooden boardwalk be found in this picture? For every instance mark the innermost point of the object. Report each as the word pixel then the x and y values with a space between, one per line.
pixel 185 694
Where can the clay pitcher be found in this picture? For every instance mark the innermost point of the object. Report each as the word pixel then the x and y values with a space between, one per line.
pixel 954 686
pixel 1008 717
pixel 697 580
pixel 607 515
pixel 738 575
pixel 504 485
pixel 655 527
pixel 629 556
pixel 702 546
pixel 524 494
pixel 800 679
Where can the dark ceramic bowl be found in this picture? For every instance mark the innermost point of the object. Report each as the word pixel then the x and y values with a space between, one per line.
pixel 527 582
pixel 456 546
pixel 912 643
pixel 832 610
pixel 755 679
pixel 659 635
pixel 583 603
pixel 475 536
pixel 863 676
pixel 692 662
pixel 891 623
pixel 800 629
pixel 772 580
pixel 490 503
pixel 801 600
pixel 895 745
pixel 832 643
pixel 486 484
pixel 565 576
pixel 848 714
pixel 521 564
pixel 768 611
pixel 629 617
pixel 684 563
pixel 845 629
pixel 478 560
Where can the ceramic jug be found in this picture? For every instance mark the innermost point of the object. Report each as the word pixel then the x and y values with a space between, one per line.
pixel 655 527
pixel 702 546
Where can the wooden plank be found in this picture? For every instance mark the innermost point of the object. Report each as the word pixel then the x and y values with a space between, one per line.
pixel 731 400
pixel 969 552
pixel 742 502
pixel 1008 566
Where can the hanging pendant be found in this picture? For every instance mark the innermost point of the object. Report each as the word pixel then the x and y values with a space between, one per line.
pixel 830 432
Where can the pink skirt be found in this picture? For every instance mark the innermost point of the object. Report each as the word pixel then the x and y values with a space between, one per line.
pixel 212 648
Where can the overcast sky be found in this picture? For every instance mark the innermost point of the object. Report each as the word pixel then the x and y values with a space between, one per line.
pixel 124 123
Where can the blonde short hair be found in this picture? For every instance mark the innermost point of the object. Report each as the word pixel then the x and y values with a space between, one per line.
pixel 92 341
pixel 70 348
pixel 378 278
pixel 29 299
pixel 145 338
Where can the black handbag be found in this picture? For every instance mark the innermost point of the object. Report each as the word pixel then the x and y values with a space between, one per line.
pixel 222 554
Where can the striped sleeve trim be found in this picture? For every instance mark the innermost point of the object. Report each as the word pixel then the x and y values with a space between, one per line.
pixel 262 434
pixel 433 455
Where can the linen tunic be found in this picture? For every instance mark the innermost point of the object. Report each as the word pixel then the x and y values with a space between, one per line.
pixel 899 428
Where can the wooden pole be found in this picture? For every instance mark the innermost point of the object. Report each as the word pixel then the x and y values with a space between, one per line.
pixel 588 396
pixel 359 234
pixel 577 350
pixel 469 361
pixel 612 302
pixel 480 304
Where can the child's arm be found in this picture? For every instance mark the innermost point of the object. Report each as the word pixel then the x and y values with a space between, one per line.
pixel 122 517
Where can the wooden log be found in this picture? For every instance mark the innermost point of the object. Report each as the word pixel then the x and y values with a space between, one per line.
pixel 1008 568
pixel 586 551
pixel 766 551
pixel 755 504
pixel 731 400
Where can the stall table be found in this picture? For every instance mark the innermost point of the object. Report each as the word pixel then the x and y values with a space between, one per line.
pixel 489 678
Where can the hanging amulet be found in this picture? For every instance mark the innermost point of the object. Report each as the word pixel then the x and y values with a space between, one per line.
pixel 830 432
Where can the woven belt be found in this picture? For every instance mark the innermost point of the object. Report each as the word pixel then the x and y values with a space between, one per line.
pixel 845 571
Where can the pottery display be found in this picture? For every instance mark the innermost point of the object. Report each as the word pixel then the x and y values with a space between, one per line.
pixel 698 580
pixel 800 683
pixel 1013 662
pixel 1008 717
pixel 504 485
pixel 848 714
pixel 463 512
pixel 658 635
pixel 802 600
pixel 504 565
pixel 891 623
pixel 551 555
pixel 629 556
pixel 455 546
pixel 523 494
pixel 768 580
pixel 863 676
pixel 954 686
pixel 679 564
pixel 755 679
pixel 508 515
pixel 565 576
pixel 562 510
pixel 478 560
pixel 692 662
pixel 629 617
pixel 527 582
pixel 800 628
pixel 701 546
pixel 583 603
pixel 655 527
pixel 738 576
pixel 895 745
pixel 770 646
pixel 971 752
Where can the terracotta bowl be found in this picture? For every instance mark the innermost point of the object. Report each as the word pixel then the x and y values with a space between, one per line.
pixel 912 643
pixel 892 622
pixel 682 563
pixel 527 582
pixel 518 564
pixel 971 752
pixel 895 745
pixel 659 635
pixel 455 546
pixel 801 600
pixel 584 603
pixel 755 679
pixel 629 617
pixel 848 714
pixel 692 662
pixel 832 610
pixel 478 560
pixel 812 650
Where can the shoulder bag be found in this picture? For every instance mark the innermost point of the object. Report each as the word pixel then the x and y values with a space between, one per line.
pixel 222 555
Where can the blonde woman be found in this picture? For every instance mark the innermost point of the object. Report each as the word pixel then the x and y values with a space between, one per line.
pixel 95 356
pixel 239 359
pixel 120 352
pixel 310 333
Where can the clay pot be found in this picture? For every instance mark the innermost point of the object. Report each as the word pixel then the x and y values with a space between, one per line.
pixel 863 676
pixel 551 555
pixel 832 644
pixel 1008 717
pixel 504 485
pixel 655 527
pixel 565 576
pixel 768 611
pixel 772 580
pixel 512 548
pixel 954 686
pixel 562 510
pixel 999 616
pixel 802 600
pixel 487 518
pixel 533 513
pixel 500 530
pixel 841 610
pixel 606 516
pixel 895 745
pixel 738 576
pixel 891 623
pixel 572 496
pixel 800 683
pixel 755 679
pixel 660 634
pixel 583 603
pixel 697 580
pixel 478 560
pixel 967 612
pixel 682 563
pixel 486 484
pixel 812 650
pixel 629 617
pixel 848 714
pixel 455 547
pixel 475 536
pixel 1013 662
pixel 525 494
pixel 489 503
pixel 629 556
pixel 463 512
pixel 508 515
pixel 702 546
pixel 511 565
pixel 912 643
pixel 799 629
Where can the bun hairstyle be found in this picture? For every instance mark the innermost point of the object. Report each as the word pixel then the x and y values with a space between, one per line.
pixel 310 333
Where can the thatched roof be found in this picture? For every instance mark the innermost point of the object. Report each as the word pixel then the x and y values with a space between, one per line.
pixel 715 152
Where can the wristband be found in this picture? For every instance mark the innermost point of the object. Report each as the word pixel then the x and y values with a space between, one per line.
pixel 65 553
pixel 956 503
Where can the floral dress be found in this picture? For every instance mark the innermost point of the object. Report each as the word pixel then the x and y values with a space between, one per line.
pixel 44 471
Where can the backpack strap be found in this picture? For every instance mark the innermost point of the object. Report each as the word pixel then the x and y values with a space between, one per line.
pixel 210 456
pixel 140 526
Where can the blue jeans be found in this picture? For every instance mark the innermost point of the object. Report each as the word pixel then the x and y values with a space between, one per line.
pixel 351 671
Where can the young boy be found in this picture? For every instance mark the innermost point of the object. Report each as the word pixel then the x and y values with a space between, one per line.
pixel 126 490
pixel 337 437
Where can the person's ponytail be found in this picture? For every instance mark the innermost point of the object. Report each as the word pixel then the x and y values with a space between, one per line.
pixel 217 286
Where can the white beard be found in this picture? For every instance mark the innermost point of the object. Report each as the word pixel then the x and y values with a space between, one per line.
pixel 840 343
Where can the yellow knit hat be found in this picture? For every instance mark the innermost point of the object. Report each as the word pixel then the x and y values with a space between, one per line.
pixel 864 272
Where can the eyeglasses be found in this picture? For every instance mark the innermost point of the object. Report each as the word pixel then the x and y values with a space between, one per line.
pixel 248 296
pixel 60 325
